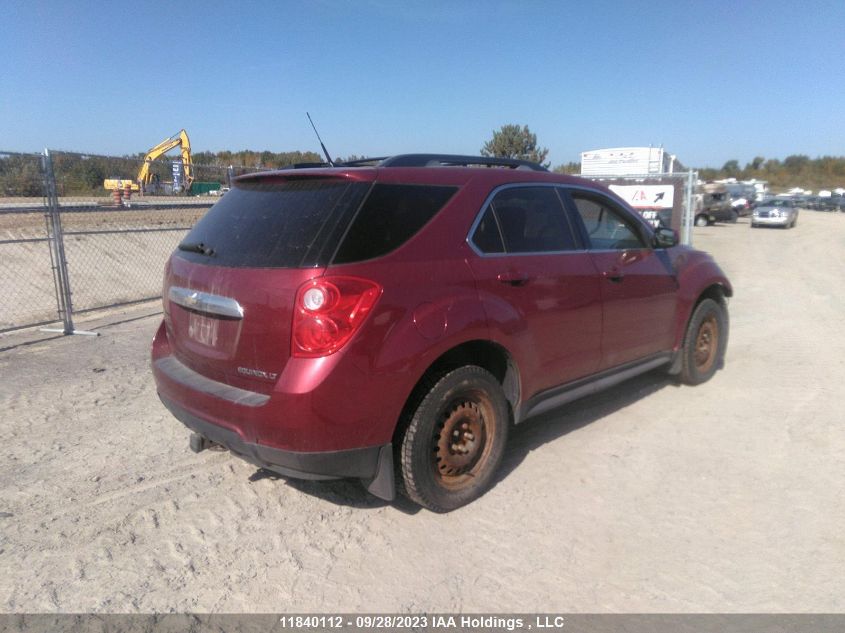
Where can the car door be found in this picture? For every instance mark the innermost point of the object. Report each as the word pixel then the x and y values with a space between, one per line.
pixel 638 285
pixel 539 289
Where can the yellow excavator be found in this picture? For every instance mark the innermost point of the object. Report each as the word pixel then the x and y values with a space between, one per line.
pixel 144 177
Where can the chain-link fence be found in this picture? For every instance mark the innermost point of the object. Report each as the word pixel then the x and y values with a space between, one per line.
pixel 118 235
pixel 26 277
pixel 79 232
pixel 662 199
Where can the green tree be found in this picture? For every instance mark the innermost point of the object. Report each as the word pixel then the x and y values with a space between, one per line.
pixel 568 168
pixel 20 176
pixel 512 141
pixel 772 165
pixel 796 162
pixel 731 168
pixel 756 164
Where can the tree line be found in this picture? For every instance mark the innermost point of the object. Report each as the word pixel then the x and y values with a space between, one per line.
pixel 83 174
pixel 79 174
pixel 796 170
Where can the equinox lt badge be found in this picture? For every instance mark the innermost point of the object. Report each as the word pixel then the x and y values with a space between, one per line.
pixel 257 373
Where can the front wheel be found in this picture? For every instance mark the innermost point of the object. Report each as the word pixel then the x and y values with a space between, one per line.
pixel 704 342
pixel 701 220
pixel 454 441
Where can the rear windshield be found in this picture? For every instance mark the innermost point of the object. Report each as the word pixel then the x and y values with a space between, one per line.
pixel 296 224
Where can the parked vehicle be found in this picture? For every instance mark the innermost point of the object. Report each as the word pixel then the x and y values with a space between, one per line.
pixel 713 204
pixel 628 161
pixel 832 202
pixel 800 200
pixel 776 212
pixel 389 322
pixel 815 203
pixel 743 196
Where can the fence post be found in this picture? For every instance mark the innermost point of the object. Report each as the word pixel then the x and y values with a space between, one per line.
pixel 56 240
pixel 690 210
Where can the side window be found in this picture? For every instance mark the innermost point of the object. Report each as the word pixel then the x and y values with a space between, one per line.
pixel 391 215
pixel 607 228
pixel 487 237
pixel 530 220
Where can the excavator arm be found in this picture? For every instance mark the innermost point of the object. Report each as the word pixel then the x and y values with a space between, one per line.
pixel 179 140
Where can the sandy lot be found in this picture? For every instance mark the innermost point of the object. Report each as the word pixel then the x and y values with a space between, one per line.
pixel 650 497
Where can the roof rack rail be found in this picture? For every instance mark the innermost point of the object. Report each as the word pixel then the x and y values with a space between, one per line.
pixel 306 165
pixel 452 160
pixel 361 161
pixel 427 160
pixel 358 162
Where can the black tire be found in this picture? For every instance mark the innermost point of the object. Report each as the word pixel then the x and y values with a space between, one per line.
pixel 734 216
pixel 452 445
pixel 701 220
pixel 704 342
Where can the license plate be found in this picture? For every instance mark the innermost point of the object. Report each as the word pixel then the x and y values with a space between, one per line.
pixel 203 329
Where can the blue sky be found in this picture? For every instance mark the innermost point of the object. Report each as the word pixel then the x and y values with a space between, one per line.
pixel 710 81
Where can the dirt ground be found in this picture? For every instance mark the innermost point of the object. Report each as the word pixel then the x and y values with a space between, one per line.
pixel 650 497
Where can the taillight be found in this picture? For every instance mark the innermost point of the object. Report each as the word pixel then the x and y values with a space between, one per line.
pixel 328 311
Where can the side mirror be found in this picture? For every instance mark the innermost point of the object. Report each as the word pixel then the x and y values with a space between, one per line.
pixel 665 237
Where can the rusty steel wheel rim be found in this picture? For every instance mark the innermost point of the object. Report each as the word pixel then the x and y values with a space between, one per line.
pixel 706 344
pixel 460 442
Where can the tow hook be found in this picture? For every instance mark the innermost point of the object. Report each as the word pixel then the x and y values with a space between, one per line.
pixel 199 443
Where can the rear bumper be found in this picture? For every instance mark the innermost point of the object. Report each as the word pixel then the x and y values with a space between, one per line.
pixel 373 464
pixel 315 406
pixel 722 215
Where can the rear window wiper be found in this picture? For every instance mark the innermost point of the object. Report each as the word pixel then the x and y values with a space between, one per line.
pixel 196 247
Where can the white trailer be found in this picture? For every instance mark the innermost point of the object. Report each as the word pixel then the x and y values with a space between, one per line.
pixel 627 161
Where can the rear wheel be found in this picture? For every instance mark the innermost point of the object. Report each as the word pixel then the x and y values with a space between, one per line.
pixel 452 445
pixel 704 342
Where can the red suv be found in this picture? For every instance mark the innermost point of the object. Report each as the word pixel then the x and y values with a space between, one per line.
pixel 390 321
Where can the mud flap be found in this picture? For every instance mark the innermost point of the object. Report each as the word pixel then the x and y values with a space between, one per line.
pixel 383 484
pixel 199 443
pixel 677 360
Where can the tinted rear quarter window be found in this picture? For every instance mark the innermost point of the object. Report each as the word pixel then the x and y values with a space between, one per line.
pixel 390 216
pixel 291 224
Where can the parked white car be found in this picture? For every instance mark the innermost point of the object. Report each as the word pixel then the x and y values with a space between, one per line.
pixel 775 212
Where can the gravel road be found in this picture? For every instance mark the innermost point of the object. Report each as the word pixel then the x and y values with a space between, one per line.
pixel 651 497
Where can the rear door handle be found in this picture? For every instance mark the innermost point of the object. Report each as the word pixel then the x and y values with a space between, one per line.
pixel 615 274
pixel 513 278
